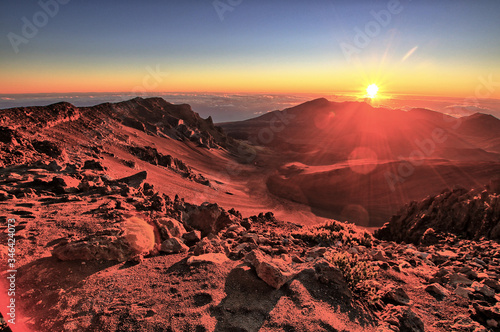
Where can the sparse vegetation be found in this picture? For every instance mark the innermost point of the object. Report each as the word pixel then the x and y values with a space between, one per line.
pixel 334 233
pixel 352 267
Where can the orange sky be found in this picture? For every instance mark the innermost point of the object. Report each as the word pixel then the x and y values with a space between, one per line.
pixel 258 47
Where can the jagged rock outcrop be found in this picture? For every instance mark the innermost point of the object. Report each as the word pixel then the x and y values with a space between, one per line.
pixel 208 218
pixel 152 156
pixel 42 116
pixel 469 214
pixel 155 116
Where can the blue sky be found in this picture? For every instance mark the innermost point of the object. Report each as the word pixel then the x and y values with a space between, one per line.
pixel 297 42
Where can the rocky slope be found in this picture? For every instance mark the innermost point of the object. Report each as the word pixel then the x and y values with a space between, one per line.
pixel 97 253
pixel 103 243
pixel 470 214
pixel 19 126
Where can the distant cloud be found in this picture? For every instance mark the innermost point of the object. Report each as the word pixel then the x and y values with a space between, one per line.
pixel 465 110
pixel 225 107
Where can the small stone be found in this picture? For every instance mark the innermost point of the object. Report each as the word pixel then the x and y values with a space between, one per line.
pixel 193 236
pixel 437 290
pixel 463 292
pixel 492 283
pixel 297 259
pixel 379 256
pixel 492 323
pixel 396 296
pixel 327 273
pixel 173 246
pixel 459 279
pixel 317 252
pixel 479 261
pixel 483 289
pixel 353 251
pixel 175 227
pixel 94 165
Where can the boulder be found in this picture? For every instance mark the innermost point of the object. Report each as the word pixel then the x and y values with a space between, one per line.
pixel 192 237
pixel 327 273
pixel 49 148
pixel 173 246
pixel 492 283
pixel 93 165
pixel 110 248
pixel 396 296
pixel 215 258
pixel 208 218
pixel 175 227
pixel 134 180
pixel 459 279
pixel 487 312
pixel 133 237
pixel 275 272
pixel 139 235
pixel 7 135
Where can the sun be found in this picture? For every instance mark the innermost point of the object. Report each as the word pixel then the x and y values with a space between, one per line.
pixel 372 90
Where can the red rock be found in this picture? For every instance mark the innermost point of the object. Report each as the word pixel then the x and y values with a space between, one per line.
pixel 483 289
pixel 437 290
pixel 175 227
pixel 396 296
pixel 273 271
pixel 215 258
pixel 173 246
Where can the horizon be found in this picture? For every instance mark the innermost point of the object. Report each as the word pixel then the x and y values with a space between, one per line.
pixel 447 49
pixel 227 107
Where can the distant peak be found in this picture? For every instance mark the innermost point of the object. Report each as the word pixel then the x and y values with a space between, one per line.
pixel 63 104
pixel 479 115
pixel 319 101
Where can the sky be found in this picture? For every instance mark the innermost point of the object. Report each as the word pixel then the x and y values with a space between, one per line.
pixel 411 47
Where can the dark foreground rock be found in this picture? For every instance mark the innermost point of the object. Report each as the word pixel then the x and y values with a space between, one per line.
pixel 469 214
